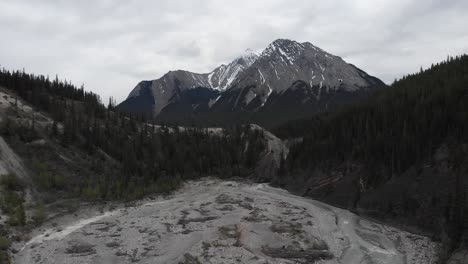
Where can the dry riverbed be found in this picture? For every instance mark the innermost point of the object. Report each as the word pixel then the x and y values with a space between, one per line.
pixel 213 221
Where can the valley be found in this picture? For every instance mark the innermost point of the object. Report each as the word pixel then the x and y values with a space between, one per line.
pixel 82 182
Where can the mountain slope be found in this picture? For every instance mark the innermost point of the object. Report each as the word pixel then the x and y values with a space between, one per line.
pixel 151 97
pixel 284 62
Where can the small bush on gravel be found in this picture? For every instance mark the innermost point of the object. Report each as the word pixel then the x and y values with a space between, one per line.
pixel 11 182
pixel 189 259
pixel 4 243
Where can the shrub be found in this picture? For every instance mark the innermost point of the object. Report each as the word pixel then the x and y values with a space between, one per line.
pixel 13 206
pixel 39 213
pixel 11 182
pixel 45 179
pixel 18 217
pixel 4 243
pixel 11 200
pixel 22 130
pixel 91 193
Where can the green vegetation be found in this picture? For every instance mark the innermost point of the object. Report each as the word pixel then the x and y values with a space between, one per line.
pixel 18 130
pixel 11 182
pixel 45 179
pixel 189 259
pixel 146 158
pixel 404 151
pixel 4 245
pixel 39 214
pixel 12 200
pixel 11 203
pixel 397 127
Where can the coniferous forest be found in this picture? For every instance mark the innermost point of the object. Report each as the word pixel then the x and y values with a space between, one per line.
pixel 141 161
pixel 401 154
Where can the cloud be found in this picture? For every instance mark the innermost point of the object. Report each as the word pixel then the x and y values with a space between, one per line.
pixel 111 45
pixel 191 49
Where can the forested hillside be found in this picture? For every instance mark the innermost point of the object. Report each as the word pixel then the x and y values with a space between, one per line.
pixel 126 158
pixel 400 155
pixel 72 146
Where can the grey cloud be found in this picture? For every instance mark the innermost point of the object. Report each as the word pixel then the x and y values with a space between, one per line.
pixel 112 45
pixel 190 49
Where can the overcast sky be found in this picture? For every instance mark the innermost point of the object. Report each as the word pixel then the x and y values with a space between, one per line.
pixel 111 45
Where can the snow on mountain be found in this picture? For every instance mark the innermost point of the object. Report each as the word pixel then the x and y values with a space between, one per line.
pixel 222 77
pixel 168 88
pixel 285 61
pixel 250 80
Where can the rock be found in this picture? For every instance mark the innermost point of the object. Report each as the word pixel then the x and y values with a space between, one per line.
pixel 80 248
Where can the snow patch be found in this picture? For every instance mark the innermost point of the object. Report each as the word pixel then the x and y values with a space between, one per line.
pixel 276 72
pixel 267 96
pixel 284 54
pixel 210 81
pixel 261 75
pixel 212 102
pixel 322 68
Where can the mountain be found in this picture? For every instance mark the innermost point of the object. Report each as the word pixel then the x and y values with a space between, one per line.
pixel 288 80
pixel 223 76
pixel 151 97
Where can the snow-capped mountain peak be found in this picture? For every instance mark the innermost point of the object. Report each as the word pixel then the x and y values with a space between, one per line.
pixel 246 59
pixel 284 62
pixel 288 50
pixel 223 76
pixel 250 55
pixel 251 51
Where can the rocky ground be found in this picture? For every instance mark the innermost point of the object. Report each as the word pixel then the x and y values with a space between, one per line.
pixel 212 221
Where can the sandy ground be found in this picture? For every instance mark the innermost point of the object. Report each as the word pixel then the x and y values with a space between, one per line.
pixel 211 221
